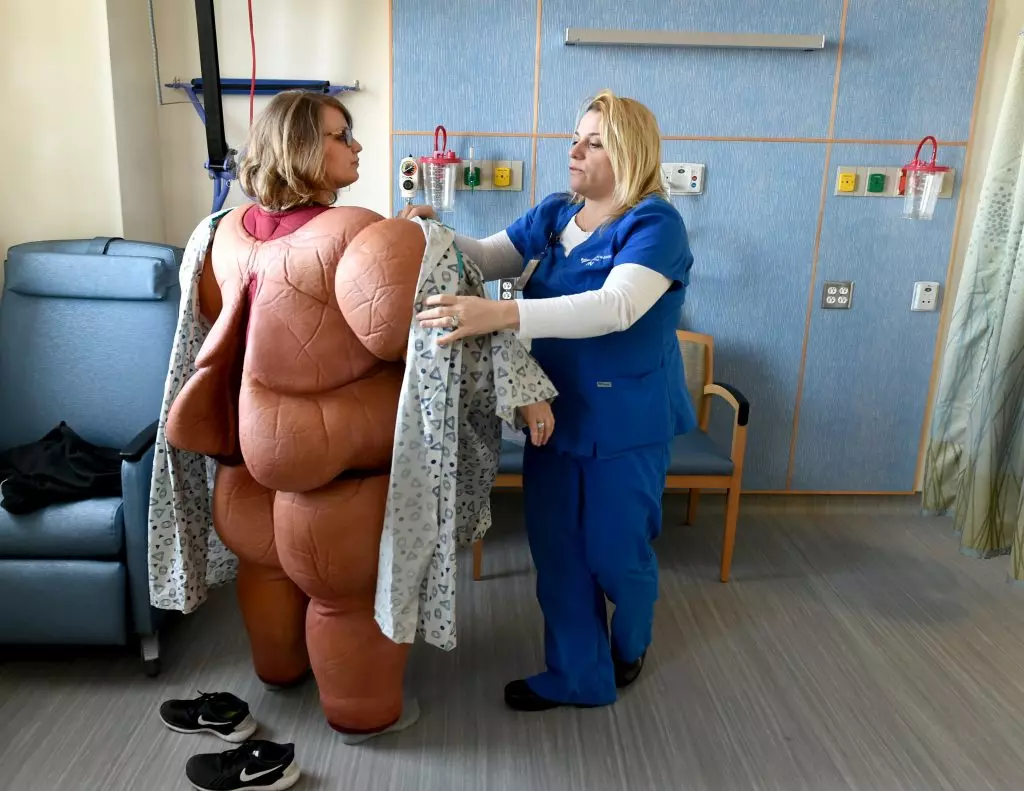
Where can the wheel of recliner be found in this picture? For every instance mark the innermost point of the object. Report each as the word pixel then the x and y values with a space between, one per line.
pixel 151 667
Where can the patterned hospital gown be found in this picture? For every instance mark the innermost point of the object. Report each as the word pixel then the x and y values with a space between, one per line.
pixel 454 403
pixel 185 555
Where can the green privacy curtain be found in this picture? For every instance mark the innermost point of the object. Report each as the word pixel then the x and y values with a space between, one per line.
pixel 974 466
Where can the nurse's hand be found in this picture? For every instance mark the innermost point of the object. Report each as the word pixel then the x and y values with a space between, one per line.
pixel 540 420
pixel 468 316
pixel 409 212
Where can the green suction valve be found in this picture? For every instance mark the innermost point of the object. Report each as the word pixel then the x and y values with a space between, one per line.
pixel 471 173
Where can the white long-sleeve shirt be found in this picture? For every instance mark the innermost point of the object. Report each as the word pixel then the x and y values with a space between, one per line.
pixel 629 291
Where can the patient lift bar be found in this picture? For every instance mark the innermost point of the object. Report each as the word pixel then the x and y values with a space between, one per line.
pixel 221 159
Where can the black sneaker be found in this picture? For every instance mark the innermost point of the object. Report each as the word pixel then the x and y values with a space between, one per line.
pixel 219 713
pixel 257 765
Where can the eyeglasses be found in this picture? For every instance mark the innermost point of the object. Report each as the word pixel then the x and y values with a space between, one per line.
pixel 343 136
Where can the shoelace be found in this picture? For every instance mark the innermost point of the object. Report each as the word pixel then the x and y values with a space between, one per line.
pixel 204 697
pixel 234 760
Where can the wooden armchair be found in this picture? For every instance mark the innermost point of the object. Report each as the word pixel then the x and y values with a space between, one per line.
pixel 697 463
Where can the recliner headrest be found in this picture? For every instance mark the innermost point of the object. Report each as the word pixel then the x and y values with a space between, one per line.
pixel 85 276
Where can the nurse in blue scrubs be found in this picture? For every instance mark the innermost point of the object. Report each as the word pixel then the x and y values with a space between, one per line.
pixel 603 271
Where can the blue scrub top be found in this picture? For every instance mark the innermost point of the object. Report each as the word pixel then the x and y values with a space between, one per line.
pixel 625 390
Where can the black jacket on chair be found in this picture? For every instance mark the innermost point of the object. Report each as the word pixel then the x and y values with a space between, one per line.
pixel 59 468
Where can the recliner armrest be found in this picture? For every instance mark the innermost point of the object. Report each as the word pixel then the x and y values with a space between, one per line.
pixel 142 442
pixel 733 396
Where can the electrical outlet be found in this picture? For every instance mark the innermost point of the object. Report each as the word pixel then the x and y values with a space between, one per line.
pixel 926 296
pixel 837 295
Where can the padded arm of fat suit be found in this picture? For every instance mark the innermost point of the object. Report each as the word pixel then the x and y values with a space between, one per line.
pixel 210 299
pixel 204 416
pixel 375 285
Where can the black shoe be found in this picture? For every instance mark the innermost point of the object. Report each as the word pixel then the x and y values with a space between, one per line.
pixel 256 765
pixel 219 713
pixel 628 672
pixel 519 696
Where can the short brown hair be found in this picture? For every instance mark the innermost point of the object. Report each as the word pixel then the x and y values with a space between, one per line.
pixel 283 163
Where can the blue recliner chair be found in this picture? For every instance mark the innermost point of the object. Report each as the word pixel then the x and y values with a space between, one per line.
pixel 86 328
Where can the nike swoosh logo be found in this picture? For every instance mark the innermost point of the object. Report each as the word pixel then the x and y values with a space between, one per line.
pixel 204 721
pixel 245 777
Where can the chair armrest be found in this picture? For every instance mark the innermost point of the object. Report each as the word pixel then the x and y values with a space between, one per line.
pixel 136 475
pixel 734 397
pixel 142 442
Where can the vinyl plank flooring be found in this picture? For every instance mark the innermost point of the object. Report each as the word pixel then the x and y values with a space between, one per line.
pixel 855 649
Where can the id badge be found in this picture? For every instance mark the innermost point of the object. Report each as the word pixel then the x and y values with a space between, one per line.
pixel 509 288
pixel 524 278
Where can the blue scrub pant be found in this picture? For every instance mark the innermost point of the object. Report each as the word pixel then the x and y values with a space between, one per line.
pixel 590 522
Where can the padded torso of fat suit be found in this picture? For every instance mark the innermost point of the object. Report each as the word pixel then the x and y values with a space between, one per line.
pixel 300 375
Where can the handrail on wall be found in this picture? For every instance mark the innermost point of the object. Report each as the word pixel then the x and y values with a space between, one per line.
pixel 594 37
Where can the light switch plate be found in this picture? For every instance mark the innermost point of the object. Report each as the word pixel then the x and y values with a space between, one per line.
pixel 837 295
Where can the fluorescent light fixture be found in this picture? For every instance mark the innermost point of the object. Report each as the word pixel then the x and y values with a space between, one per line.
pixel 593 37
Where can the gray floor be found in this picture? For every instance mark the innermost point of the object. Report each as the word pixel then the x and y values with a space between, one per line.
pixel 855 649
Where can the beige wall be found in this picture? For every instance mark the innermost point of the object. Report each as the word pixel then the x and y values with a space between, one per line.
pixel 309 39
pixel 1007 22
pixel 135 120
pixel 58 156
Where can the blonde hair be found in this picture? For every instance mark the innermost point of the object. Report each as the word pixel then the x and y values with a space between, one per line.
pixel 630 135
pixel 283 165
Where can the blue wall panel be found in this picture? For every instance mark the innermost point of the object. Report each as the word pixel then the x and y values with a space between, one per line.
pixel 909 69
pixel 476 213
pixel 868 368
pixel 752 268
pixel 467 65
pixel 699 92
pixel 753 246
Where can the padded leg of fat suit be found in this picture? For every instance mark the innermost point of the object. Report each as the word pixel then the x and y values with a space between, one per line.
pixel 328 541
pixel 273 607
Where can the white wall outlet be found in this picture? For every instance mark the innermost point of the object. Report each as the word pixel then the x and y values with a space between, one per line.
pixel 682 178
pixel 926 296
pixel 837 295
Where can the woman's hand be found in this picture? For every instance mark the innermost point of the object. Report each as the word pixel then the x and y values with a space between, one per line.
pixel 468 316
pixel 410 211
pixel 540 420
